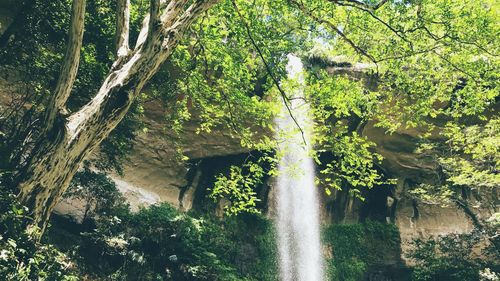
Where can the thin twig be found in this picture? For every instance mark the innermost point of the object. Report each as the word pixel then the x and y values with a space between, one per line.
pixel 336 30
pixel 270 72
pixel 398 33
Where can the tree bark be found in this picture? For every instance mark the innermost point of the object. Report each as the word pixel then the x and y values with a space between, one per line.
pixel 72 138
pixel 122 27
pixel 57 104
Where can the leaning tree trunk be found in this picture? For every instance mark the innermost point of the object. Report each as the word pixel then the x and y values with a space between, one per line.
pixel 68 140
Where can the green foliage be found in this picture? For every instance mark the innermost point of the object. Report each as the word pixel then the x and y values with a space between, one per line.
pixel 221 81
pixel 22 257
pixel 357 248
pixel 469 158
pixel 249 245
pixel 338 103
pixel 430 59
pixel 454 257
pixel 160 243
pixel 473 155
pixel 239 188
pixel 423 63
pixel 354 165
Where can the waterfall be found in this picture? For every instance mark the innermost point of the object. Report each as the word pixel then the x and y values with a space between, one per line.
pixel 297 203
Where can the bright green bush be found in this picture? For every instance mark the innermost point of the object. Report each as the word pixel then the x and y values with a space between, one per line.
pixel 22 257
pixel 161 243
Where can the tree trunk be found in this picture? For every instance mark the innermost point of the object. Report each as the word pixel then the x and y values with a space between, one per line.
pixel 71 139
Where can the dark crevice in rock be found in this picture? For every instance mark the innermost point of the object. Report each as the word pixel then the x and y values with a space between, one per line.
pixel 192 171
pixel 210 168
pixel 378 204
pixel 416 214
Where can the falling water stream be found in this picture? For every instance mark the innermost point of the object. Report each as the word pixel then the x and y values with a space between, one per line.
pixel 297 204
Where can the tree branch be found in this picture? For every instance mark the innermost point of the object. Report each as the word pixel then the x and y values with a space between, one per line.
pixel 462 204
pixel 359 4
pixel 54 162
pixel 122 27
pixel 166 19
pixel 173 32
pixel 57 103
pixel 332 26
pixel 141 38
pixel 270 72
pixel 414 53
pixel 194 11
pixel 154 16
pixel 370 11
pixel 172 12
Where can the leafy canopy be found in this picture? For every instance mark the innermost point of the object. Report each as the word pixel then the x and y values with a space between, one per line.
pixel 407 63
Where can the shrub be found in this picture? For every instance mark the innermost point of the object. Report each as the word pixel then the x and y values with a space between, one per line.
pixel 454 257
pixel 357 248
pixel 22 257
pixel 161 243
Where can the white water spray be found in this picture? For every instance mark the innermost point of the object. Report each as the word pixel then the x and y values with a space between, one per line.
pixel 298 227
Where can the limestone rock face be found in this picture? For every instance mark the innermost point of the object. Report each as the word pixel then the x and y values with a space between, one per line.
pixel 425 220
pixel 155 164
pixel 414 217
pixel 398 150
pixel 155 168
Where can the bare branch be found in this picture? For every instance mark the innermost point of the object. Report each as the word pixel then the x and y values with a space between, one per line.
pixel 141 38
pixel 397 32
pixel 57 103
pixel 403 56
pixel 380 4
pixel 122 27
pixel 154 12
pixel 285 98
pixel 172 12
pixel 455 66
